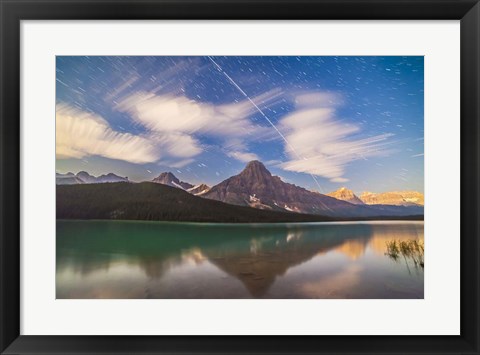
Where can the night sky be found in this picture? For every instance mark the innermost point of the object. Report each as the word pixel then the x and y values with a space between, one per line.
pixel 318 122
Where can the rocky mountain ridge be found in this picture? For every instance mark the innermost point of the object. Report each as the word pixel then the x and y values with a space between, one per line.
pixel 167 178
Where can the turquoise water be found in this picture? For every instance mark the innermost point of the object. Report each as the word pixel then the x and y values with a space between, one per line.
pixel 126 259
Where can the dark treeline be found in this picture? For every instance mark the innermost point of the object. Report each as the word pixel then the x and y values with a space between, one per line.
pixel 150 201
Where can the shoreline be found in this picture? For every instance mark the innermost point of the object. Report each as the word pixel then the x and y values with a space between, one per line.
pixel 246 224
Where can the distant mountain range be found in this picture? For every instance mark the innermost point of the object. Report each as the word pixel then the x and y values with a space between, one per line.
pixel 345 194
pixel 395 198
pixel 85 178
pixel 255 187
pixel 399 198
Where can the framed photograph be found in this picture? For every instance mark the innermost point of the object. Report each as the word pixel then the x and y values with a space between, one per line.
pixel 239 177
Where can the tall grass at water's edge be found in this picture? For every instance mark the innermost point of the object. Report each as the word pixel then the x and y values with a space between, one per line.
pixel 412 249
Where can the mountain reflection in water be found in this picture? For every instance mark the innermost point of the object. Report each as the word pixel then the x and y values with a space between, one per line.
pixel 122 259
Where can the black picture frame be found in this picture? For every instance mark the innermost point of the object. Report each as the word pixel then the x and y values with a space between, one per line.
pixel 14 11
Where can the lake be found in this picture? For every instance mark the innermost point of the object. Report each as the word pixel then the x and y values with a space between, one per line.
pixel 137 259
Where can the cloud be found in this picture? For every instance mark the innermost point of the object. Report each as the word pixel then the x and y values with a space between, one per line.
pixel 176 163
pixel 168 115
pixel 176 144
pixel 320 143
pixel 124 86
pixel 167 78
pixel 318 99
pixel 80 134
pixel 339 180
pixel 244 157
pixel 245 108
pixel 417 155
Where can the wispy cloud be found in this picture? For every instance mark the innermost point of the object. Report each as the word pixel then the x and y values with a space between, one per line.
pixel 170 116
pixel 244 157
pixel 316 141
pixel 165 80
pixel 320 143
pixel 167 113
pixel 176 163
pixel 417 155
pixel 122 88
pixel 80 134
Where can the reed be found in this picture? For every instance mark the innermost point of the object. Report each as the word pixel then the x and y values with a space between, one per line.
pixel 412 249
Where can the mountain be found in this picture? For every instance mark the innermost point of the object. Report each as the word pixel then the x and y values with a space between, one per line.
pixel 233 200
pixel 83 177
pixel 151 201
pixel 256 187
pixel 169 179
pixel 345 194
pixel 396 198
pixel 86 177
pixel 199 189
